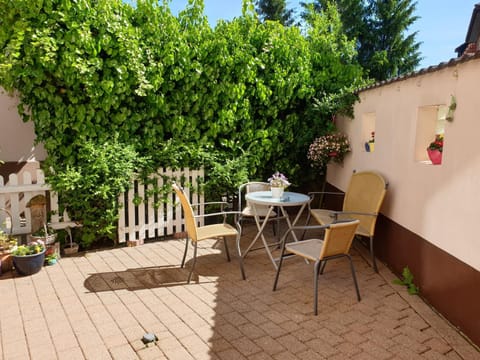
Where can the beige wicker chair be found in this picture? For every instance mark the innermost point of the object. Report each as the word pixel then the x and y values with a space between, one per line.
pixel 336 243
pixel 362 201
pixel 199 233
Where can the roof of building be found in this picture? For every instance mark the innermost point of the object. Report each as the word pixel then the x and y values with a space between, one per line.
pixel 433 68
pixel 473 31
pixel 463 51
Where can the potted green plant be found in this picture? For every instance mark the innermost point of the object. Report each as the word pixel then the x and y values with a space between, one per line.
pixel 45 234
pixel 51 258
pixel 29 259
pixel 7 243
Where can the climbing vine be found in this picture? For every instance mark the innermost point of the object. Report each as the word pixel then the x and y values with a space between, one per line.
pixel 241 99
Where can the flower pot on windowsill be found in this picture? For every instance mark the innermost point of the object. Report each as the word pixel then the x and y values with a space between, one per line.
pixel 435 156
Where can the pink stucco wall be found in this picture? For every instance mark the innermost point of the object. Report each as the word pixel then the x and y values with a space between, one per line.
pixel 16 137
pixel 438 202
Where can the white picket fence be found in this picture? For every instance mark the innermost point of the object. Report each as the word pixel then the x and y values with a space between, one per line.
pixel 140 222
pixel 15 193
pixel 147 221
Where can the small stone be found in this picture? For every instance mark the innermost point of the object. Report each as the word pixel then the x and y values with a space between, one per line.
pixel 148 338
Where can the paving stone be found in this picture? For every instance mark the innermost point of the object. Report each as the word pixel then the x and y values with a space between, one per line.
pixel 292 343
pixel 230 354
pixel 100 304
pixel 270 345
pixel 245 346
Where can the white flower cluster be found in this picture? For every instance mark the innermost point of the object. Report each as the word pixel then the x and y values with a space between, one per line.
pixel 324 149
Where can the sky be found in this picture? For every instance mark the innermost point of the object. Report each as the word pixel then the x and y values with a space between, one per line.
pixel 442 25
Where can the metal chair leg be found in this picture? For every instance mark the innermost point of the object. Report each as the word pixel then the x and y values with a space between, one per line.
pixel 306 224
pixel 322 268
pixel 239 250
pixel 279 266
pixel 374 263
pixel 194 261
pixel 185 252
pixel 316 270
pixel 354 278
pixel 242 269
pixel 226 248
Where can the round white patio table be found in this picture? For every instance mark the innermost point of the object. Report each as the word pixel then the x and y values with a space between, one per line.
pixel 265 198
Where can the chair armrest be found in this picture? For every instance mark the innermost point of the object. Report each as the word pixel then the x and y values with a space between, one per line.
pixel 310 227
pixel 212 203
pixel 221 203
pixel 224 213
pixel 321 195
pixel 305 228
pixel 335 214
pixel 325 192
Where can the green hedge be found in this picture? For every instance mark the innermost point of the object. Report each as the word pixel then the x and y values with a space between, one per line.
pixel 242 99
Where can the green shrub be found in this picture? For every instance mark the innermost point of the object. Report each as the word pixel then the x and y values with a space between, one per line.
pixel 243 99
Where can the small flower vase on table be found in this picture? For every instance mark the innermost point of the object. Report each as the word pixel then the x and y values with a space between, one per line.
pixel 277 192
pixel 278 183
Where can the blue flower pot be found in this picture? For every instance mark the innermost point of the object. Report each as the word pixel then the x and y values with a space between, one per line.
pixel 29 264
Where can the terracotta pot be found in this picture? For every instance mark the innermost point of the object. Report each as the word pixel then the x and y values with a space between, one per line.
pixel 435 156
pixel 6 262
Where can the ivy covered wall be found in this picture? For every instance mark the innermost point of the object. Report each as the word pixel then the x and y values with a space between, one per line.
pixel 242 99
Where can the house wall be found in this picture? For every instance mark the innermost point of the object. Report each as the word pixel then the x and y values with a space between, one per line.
pixel 430 214
pixel 16 137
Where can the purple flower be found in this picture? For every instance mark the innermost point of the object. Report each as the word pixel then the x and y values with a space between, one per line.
pixel 279 180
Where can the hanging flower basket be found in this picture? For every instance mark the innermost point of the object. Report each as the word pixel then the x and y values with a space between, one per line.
pixel 328 148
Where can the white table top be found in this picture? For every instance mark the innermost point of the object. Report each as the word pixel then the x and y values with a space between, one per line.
pixel 288 198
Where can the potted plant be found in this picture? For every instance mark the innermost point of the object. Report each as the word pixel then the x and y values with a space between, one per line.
pixel 29 259
pixel 7 243
pixel 45 234
pixel 51 258
pixel 435 150
pixel 278 183
pixel 370 144
pixel 70 248
pixel 328 148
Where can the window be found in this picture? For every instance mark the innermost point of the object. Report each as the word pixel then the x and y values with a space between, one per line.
pixel 368 131
pixel 430 123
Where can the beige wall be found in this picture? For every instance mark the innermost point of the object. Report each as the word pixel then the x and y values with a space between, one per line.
pixel 438 202
pixel 16 137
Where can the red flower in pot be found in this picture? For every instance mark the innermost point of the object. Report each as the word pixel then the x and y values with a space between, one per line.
pixel 435 150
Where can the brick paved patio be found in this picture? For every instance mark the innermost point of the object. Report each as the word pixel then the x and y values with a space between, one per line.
pixel 98 305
